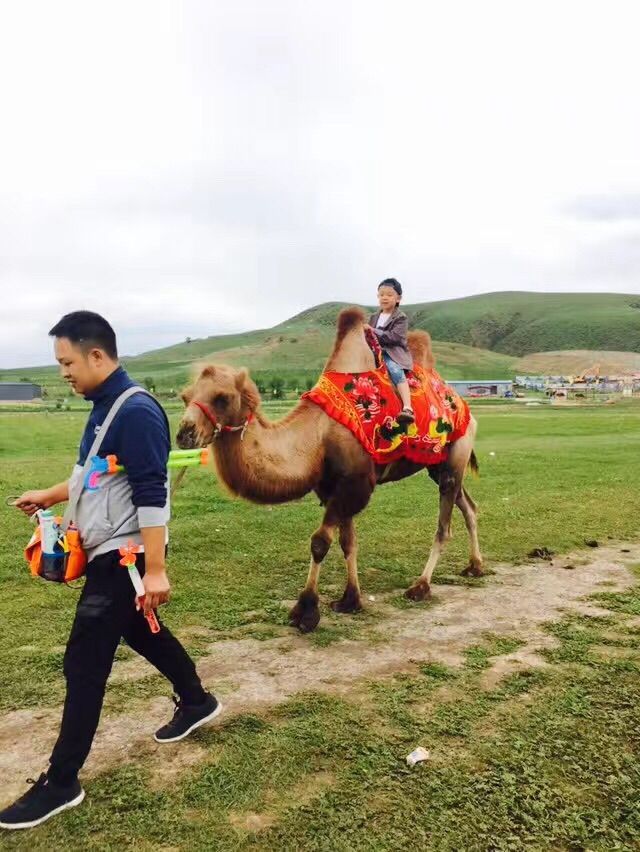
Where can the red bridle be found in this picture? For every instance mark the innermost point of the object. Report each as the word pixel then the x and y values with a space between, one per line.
pixel 219 427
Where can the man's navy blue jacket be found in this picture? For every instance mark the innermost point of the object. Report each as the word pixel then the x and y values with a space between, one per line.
pixel 138 436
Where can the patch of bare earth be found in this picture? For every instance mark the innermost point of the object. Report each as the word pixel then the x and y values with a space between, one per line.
pixel 251 675
pixel 521 660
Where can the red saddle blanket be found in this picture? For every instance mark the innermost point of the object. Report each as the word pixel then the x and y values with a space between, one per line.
pixel 367 404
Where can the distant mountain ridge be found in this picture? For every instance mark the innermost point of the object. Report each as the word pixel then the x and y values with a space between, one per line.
pixel 517 323
pixel 495 335
pixel 512 323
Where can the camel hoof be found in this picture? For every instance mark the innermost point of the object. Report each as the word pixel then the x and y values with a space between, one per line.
pixel 305 615
pixel 295 616
pixel 306 621
pixel 420 591
pixel 310 621
pixel 473 569
pixel 347 605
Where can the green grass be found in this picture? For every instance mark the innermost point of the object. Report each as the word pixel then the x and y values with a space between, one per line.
pixel 573 471
pixel 544 760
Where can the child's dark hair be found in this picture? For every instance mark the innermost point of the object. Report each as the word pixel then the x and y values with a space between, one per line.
pixel 88 330
pixel 391 282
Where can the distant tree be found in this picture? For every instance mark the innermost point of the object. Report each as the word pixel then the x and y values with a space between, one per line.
pixel 277 387
pixel 187 340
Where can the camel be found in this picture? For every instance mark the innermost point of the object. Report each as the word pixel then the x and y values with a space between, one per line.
pixel 275 462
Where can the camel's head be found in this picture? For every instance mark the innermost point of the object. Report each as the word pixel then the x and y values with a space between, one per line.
pixel 220 400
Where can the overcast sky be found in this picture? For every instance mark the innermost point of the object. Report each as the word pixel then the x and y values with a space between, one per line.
pixel 192 168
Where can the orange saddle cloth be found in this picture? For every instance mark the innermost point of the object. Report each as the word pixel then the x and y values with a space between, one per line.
pixel 367 404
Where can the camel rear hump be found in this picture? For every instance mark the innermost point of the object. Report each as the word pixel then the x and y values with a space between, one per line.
pixel 420 348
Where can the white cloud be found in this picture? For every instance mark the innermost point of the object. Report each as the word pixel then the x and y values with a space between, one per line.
pixel 195 168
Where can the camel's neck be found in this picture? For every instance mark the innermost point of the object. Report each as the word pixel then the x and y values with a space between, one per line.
pixel 274 462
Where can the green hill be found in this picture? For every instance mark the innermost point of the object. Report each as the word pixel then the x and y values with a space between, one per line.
pixel 513 323
pixel 296 360
pixel 474 337
pixel 518 323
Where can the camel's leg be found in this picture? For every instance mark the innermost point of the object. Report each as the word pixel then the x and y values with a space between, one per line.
pixel 305 615
pixel 350 600
pixel 450 482
pixel 468 509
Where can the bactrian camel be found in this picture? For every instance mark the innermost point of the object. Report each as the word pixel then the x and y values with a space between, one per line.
pixel 306 451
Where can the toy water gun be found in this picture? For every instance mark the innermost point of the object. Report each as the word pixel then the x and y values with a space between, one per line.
pixel 109 465
pixel 128 561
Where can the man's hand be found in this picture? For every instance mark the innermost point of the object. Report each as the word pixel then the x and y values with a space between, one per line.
pixel 156 582
pixel 157 589
pixel 31 501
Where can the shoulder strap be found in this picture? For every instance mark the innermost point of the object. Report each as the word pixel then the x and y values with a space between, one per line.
pixel 115 408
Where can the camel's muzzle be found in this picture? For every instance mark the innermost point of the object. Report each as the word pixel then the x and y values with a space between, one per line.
pixel 187 437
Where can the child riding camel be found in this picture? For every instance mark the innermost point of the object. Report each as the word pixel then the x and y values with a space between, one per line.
pixel 390 324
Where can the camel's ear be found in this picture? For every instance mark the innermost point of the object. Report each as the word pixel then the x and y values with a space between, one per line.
pixel 208 372
pixel 187 395
pixel 248 391
pixel 241 378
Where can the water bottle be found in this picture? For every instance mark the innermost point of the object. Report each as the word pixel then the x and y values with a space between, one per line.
pixel 48 531
pixel 53 556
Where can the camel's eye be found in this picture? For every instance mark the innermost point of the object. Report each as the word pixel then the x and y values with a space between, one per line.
pixel 221 401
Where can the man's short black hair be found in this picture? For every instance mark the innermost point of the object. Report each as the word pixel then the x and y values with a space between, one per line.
pixel 391 282
pixel 88 330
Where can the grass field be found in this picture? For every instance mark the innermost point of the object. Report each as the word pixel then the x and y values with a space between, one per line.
pixel 545 759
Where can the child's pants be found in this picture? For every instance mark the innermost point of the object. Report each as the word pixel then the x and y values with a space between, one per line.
pixel 395 370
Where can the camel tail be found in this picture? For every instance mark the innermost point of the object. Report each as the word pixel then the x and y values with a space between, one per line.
pixel 473 464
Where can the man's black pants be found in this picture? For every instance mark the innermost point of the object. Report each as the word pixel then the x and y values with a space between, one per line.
pixel 106 613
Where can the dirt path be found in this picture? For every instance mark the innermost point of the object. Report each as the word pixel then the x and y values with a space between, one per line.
pixel 253 675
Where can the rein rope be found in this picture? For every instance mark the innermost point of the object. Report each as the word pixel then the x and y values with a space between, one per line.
pixel 218 428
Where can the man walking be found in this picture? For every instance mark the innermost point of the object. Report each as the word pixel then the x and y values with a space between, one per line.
pixel 128 507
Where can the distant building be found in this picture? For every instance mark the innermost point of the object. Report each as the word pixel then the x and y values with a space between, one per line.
pixel 19 392
pixel 483 387
pixel 531 382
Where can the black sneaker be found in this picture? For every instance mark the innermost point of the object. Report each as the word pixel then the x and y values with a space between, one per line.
pixel 42 801
pixel 188 717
